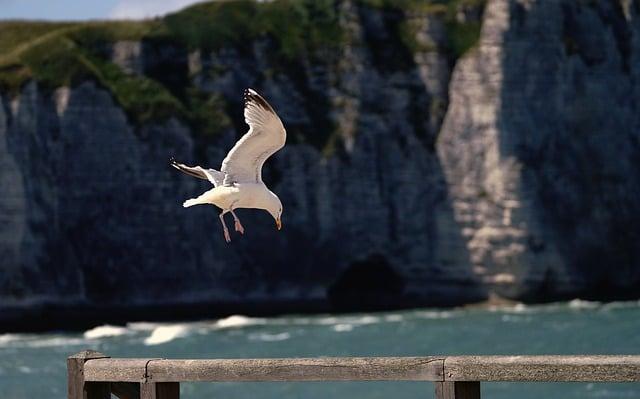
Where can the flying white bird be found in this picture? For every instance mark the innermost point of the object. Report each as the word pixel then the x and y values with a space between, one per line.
pixel 238 183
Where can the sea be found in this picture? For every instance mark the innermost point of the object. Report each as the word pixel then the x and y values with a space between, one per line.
pixel 33 365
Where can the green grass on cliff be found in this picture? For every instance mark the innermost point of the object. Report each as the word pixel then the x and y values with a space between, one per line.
pixel 66 54
pixel 59 55
pixel 462 35
pixel 297 26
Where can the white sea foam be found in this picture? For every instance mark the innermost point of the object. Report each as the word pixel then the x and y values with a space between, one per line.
pixel 143 326
pixel 582 304
pixel 511 318
pixel 7 339
pixel 434 314
pixel 620 305
pixel 355 320
pixel 166 333
pixel 53 341
pixel 393 318
pixel 342 327
pixel 238 321
pixel 269 337
pixel 575 304
pixel 330 320
pixel 105 331
pixel 25 370
pixel 367 320
pixel 520 308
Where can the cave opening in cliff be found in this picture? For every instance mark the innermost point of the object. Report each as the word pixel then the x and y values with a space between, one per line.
pixel 371 284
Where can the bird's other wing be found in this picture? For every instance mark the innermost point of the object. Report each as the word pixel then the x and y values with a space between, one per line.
pixel 266 135
pixel 214 176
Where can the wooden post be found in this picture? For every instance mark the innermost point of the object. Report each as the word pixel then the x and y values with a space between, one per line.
pixel 458 390
pixel 76 386
pixel 147 390
pixel 160 390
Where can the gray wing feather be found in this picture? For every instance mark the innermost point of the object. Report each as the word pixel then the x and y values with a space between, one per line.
pixel 214 176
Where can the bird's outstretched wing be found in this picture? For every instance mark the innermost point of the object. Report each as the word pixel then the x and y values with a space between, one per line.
pixel 214 176
pixel 266 135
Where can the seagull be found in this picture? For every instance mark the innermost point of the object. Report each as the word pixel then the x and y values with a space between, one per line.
pixel 238 183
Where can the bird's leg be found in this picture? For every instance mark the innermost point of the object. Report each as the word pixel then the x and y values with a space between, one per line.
pixel 227 236
pixel 238 225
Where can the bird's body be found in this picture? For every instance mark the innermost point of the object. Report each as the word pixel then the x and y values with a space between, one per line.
pixel 239 195
pixel 238 183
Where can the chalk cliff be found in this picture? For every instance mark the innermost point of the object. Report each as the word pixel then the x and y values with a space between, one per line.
pixel 429 162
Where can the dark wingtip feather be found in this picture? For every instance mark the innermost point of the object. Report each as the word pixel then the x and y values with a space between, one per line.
pixel 252 96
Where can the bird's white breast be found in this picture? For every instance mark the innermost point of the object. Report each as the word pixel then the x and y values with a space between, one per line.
pixel 240 195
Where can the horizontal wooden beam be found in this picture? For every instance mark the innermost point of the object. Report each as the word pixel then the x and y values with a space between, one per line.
pixel 453 368
pixel 295 369
pixel 316 369
pixel 116 370
pixel 543 368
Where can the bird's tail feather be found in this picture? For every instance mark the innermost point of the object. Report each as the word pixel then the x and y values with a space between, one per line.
pixel 191 202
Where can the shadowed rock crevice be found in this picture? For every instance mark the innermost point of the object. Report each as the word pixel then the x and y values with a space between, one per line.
pixel 582 187
pixel 367 285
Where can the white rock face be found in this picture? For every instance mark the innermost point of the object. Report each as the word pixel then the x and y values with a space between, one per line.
pixel 537 146
pixel 127 55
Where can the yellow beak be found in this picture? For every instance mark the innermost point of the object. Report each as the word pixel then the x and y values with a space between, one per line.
pixel 278 223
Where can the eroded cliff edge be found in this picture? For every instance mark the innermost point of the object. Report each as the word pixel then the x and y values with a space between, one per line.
pixel 411 177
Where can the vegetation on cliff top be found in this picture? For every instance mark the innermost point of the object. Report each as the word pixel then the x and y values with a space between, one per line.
pixel 66 54
pixel 463 33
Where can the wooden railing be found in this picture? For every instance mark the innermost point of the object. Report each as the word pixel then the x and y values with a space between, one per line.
pixel 92 375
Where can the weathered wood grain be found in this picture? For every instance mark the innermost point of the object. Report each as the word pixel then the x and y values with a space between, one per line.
pixel 455 368
pixel 298 369
pixel 457 390
pixel 76 373
pixel 543 368
pixel 120 370
pixel 147 390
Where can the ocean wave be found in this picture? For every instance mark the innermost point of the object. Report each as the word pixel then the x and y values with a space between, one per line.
pixel 393 318
pixel 436 314
pixel 105 331
pixel 514 318
pixel 582 304
pixel 355 320
pixel 238 321
pixel 266 337
pixel 342 327
pixel 52 342
pixel 573 305
pixel 6 339
pixel 621 305
pixel 144 326
pixel 166 333
pixel 40 341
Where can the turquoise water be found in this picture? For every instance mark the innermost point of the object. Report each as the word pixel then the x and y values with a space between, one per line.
pixel 33 365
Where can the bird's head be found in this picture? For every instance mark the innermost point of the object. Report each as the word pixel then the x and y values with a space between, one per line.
pixel 274 207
